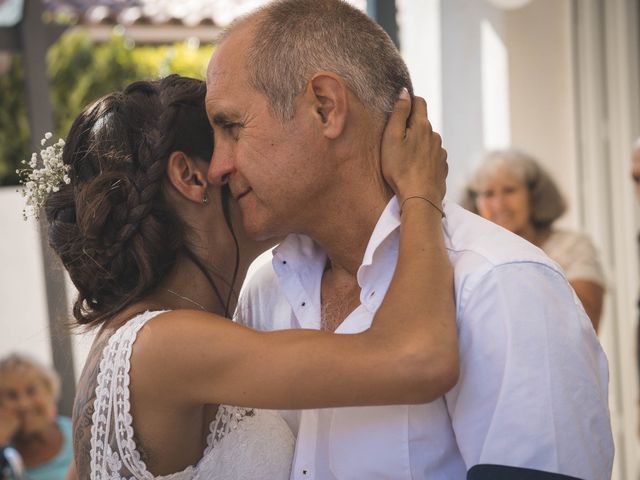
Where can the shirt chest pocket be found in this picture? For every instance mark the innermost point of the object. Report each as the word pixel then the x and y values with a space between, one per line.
pixel 370 442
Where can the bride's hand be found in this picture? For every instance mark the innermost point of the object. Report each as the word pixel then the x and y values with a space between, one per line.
pixel 412 158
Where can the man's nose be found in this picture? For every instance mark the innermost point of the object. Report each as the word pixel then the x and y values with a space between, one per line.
pixel 220 168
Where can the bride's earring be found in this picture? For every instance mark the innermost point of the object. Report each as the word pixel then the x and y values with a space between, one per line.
pixel 205 199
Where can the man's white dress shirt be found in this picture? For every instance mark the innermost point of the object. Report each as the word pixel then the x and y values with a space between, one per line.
pixel 533 381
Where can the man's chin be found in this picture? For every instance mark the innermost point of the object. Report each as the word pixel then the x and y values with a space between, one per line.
pixel 264 234
pixel 256 231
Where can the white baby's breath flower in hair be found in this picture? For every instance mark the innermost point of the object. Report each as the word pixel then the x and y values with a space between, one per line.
pixel 40 182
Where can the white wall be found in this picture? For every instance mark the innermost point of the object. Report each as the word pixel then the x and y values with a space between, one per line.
pixel 420 44
pixel 462 105
pixel 24 323
pixel 23 316
pixel 538 40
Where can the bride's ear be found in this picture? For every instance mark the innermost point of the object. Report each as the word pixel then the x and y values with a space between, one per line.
pixel 187 177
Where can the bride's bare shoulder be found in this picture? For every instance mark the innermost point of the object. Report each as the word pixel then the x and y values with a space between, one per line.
pixel 183 348
pixel 180 325
pixel 169 336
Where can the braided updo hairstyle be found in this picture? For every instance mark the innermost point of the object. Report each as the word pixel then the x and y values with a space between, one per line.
pixel 112 226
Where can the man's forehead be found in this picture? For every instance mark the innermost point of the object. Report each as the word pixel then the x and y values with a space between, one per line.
pixel 217 76
pixel 225 92
pixel 222 65
pixel 226 68
pixel 225 79
pixel 234 47
pixel 227 84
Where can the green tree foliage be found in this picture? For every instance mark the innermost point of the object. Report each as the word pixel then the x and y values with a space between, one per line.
pixel 81 71
pixel 14 125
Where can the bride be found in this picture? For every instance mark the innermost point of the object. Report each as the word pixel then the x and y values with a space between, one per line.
pixel 155 253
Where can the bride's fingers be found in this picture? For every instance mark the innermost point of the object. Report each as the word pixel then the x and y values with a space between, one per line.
pixel 397 123
pixel 419 119
pixel 412 157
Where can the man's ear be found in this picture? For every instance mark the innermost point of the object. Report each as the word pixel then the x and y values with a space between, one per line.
pixel 330 97
pixel 187 176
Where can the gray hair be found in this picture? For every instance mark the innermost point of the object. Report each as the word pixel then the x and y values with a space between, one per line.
pixel 546 202
pixel 18 361
pixel 293 39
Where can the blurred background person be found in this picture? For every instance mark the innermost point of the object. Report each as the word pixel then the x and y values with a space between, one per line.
pixel 510 188
pixel 28 418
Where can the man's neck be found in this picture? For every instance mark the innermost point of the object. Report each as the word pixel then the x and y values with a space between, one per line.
pixel 345 240
pixel 345 231
pixel 343 222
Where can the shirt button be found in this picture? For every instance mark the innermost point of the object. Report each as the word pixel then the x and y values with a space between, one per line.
pixel 306 471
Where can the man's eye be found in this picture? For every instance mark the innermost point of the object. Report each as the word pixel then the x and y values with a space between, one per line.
pixel 233 128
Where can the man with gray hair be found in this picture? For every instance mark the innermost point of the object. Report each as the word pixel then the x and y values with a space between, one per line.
pixel 298 94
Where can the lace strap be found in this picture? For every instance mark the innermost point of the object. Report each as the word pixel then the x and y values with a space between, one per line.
pixel 113 449
pixel 227 420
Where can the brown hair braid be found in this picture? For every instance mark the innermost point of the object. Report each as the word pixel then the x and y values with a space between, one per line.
pixel 111 226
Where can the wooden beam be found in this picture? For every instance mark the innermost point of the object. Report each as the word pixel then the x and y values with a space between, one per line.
pixel 35 42
pixel 160 34
pixel 9 39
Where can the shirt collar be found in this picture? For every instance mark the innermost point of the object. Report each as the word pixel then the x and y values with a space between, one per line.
pixel 388 223
pixel 299 254
pixel 380 257
pixel 298 263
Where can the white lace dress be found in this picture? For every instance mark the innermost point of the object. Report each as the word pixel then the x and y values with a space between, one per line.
pixel 242 444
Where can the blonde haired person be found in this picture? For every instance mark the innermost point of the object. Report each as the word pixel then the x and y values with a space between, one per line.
pixel 29 421
pixel 510 188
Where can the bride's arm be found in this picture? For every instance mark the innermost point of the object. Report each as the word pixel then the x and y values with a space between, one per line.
pixel 409 355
